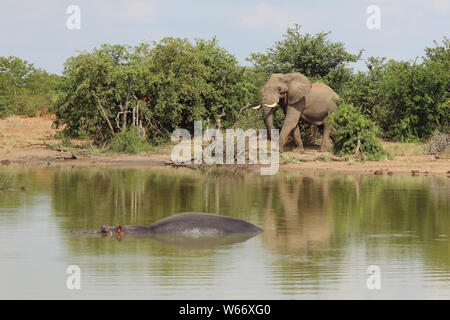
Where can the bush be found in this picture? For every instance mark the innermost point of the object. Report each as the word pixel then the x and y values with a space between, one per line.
pixel 408 100
pixel 413 100
pixel 24 89
pixel 363 89
pixel 349 125
pixel 129 141
pixel 163 86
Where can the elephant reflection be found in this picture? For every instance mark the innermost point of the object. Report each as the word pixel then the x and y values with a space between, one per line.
pixel 303 223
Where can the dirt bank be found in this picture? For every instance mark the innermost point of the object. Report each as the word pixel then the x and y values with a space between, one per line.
pixel 32 141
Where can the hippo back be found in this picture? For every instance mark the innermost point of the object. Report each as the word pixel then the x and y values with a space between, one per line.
pixel 192 223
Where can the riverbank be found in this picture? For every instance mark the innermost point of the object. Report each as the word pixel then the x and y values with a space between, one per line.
pixel 33 141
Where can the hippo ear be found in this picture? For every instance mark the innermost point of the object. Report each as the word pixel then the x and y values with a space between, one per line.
pixel 119 228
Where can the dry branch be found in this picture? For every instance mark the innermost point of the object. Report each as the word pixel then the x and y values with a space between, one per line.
pixel 99 105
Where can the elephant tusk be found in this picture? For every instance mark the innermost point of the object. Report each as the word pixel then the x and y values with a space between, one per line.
pixel 257 107
pixel 271 106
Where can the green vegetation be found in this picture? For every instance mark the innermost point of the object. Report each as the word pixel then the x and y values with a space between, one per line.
pixel 408 100
pixel 355 133
pixel 129 141
pixel 158 87
pixel 312 55
pixel 406 149
pixel 23 88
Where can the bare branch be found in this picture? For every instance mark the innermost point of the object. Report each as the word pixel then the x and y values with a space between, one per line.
pixel 358 145
pixel 219 119
pixel 99 105
pixel 239 115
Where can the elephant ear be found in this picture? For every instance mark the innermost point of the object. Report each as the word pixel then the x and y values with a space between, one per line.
pixel 298 87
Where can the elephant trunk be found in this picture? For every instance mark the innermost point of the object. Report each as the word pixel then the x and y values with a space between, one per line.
pixel 268 114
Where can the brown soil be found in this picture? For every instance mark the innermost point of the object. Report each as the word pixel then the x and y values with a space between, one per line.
pixel 32 141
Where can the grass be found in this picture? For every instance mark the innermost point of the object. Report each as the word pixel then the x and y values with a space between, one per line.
pixel 406 149
pixel 289 157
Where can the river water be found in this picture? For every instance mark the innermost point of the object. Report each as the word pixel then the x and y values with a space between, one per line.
pixel 326 236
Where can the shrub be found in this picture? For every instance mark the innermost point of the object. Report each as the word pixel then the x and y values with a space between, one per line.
pixel 349 126
pixel 160 86
pixel 363 89
pixel 129 141
pixel 23 88
pixel 413 100
pixel 408 100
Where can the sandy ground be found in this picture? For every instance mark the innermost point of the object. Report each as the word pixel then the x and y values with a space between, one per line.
pixel 31 141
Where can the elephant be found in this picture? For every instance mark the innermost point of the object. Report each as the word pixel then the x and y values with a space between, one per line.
pixel 300 101
pixel 187 223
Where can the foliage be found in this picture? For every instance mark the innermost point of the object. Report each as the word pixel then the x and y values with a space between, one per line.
pixel 197 82
pixel 350 125
pixel 23 88
pixel 97 87
pixel 169 84
pixel 315 56
pixel 414 100
pixel 408 100
pixel 166 85
pixel 363 89
pixel 129 141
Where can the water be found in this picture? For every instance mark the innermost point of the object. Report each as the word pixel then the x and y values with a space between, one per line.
pixel 322 232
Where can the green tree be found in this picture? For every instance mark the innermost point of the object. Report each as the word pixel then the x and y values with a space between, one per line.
pixel 414 100
pixel 100 92
pixel 199 81
pixel 158 87
pixel 23 88
pixel 315 56
pixel 363 89
pixel 408 100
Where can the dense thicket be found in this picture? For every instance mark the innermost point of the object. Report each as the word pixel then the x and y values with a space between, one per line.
pixel 24 89
pixel 408 100
pixel 157 88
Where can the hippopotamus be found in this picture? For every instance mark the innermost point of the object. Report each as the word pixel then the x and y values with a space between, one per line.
pixel 187 223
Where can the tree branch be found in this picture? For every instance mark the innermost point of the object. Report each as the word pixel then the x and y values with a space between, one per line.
pixel 99 105
pixel 219 119
pixel 358 145
pixel 239 114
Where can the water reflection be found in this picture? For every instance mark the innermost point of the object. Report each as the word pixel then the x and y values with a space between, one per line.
pixel 321 231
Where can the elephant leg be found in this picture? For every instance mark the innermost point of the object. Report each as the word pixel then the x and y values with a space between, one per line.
pixel 289 124
pixel 298 139
pixel 325 138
